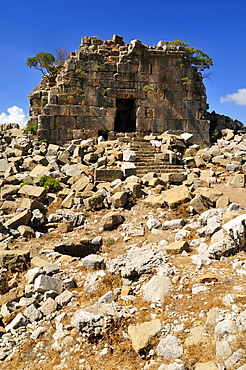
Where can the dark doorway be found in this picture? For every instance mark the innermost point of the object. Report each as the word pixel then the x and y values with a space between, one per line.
pixel 125 120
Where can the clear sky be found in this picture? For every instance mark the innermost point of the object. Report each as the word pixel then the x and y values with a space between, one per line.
pixel 217 27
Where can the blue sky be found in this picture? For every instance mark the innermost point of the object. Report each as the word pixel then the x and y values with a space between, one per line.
pixel 28 27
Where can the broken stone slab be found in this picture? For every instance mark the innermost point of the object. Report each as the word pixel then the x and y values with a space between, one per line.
pixel 39 170
pixel 21 218
pixel 177 247
pixel 156 289
pixel 141 334
pixel 64 298
pixel 34 192
pixel 68 201
pixel 173 178
pixel 81 183
pixel 111 220
pixel 199 204
pixel 14 260
pixel 32 204
pixel 3 165
pixel 44 283
pixel 17 322
pixel 173 224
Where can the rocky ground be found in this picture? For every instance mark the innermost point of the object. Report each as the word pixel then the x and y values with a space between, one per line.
pixel 106 270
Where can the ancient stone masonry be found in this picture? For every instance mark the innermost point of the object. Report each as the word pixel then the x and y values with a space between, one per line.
pixel 110 86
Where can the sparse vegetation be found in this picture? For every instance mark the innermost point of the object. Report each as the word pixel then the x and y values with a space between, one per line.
pixel 186 81
pixel 49 183
pixel 33 129
pixel 43 101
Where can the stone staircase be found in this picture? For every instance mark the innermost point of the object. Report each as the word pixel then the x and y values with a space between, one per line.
pixel 146 160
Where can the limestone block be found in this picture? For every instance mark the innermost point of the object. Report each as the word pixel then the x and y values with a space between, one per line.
pixel 32 313
pixel 176 195
pixel 81 184
pixel 93 202
pixel 156 289
pixel 111 219
pixel 239 180
pixel 141 334
pixel 64 298
pixel 32 204
pixel 128 168
pixel 49 306
pixel 173 177
pixel 173 224
pixel 21 218
pixel 119 199
pixel 3 165
pixel 18 321
pixel 236 229
pixel 39 171
pixel 129 156
pixel 177 247
pixel 170 348
pixel 68 201
pixel 44 283
pixel 93 261
pixel 26 231
pixel 34 192
pixel 8 206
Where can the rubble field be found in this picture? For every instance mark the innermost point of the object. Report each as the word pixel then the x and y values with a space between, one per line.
pixel 103 269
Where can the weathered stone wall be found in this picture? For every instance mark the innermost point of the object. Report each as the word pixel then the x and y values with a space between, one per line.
pixel 118 87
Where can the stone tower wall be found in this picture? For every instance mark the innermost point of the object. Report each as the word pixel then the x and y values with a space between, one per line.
pixel 101 76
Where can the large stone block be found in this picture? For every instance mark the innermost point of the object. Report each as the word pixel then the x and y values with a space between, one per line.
pixel 108 174
pixel 15 260
pixel 21 218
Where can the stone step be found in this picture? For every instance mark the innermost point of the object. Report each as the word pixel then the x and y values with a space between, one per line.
pixel 143 172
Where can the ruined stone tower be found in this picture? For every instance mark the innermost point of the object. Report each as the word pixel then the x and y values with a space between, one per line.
pixel 110 86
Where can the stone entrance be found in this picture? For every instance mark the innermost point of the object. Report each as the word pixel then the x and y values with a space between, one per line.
pixel 125 120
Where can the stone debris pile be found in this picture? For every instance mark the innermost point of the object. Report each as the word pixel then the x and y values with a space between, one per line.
pixel 152 266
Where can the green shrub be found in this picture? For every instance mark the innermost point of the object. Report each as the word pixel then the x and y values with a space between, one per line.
pixel 147 88
pixel 79 72
pixel 49 183
pixel 43 101
pixel 33 129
